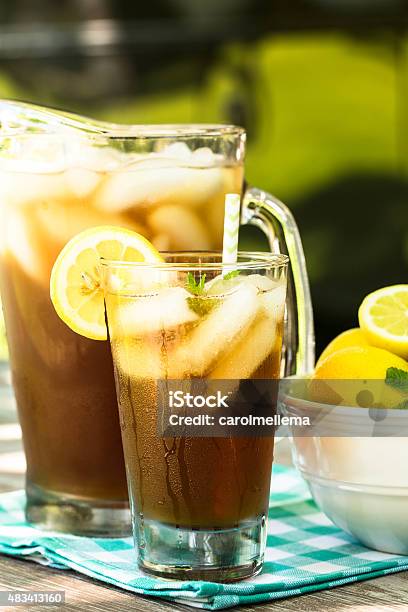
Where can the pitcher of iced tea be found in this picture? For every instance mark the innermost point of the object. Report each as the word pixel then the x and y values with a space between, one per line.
pixel 61 174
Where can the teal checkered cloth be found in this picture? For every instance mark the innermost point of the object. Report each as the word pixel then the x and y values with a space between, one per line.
pixel 305 553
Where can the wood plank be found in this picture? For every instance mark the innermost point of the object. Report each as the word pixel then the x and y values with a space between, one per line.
pixel 389 593
pixel 81 593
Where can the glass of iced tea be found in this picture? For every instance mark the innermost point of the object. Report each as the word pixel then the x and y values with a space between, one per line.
pixel 199 502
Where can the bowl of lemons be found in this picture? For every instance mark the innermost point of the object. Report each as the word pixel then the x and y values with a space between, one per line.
pixel 353 453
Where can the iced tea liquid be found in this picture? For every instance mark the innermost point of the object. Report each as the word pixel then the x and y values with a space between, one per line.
pixel 194 482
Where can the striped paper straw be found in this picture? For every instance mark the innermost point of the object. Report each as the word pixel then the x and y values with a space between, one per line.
pixel 231 227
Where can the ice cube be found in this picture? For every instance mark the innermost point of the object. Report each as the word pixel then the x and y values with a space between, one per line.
pixel 262 283
pixel 114 282
pixel 23 243
pixel 96 158
pixel 60 221
pixel 215 334
pixel 161 182
pixel 138 359
pixel 203 158
pixel 178 150
pixel 249 353
pixel 183 227
pixel 21 188
pixel 273 294
pixel 134 281
pixel 273 301
pixel 82 182
pixel 219 285
pixel 141 315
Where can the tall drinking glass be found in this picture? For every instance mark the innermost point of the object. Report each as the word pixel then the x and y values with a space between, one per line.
pixel 199 501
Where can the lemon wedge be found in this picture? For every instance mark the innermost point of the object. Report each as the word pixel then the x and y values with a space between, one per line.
pixel 75 286
pixel 383 317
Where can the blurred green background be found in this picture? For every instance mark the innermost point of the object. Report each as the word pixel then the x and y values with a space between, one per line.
pixel 320 85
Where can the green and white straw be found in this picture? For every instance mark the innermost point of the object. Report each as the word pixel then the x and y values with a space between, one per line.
pixel 231 228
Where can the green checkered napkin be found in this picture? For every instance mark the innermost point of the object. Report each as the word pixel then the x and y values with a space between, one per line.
pixel 305 552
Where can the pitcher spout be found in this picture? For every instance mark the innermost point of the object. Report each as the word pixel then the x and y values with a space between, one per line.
pixel 19 117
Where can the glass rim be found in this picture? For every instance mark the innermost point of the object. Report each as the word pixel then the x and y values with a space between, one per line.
pixel 251 260
pixel 148 131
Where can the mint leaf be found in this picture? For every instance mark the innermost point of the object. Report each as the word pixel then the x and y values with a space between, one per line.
pixel 201 304
pixel 231 274
pixel 201 284
pixel 193 286
pixel 398 379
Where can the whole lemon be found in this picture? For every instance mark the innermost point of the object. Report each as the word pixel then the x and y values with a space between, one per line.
pixel 351 337
pixel 355 376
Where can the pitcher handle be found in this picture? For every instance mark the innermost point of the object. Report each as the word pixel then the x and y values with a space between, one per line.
pixel 276 221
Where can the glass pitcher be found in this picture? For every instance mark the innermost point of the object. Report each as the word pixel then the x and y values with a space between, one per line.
pixel 61 174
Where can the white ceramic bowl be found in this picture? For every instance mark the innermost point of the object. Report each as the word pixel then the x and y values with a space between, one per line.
pixel 360 482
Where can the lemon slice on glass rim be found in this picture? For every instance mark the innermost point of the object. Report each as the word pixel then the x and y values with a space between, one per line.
pixel 383 317
pixel 75 288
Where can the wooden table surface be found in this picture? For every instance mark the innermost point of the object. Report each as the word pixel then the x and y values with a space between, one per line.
pixel 84 594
